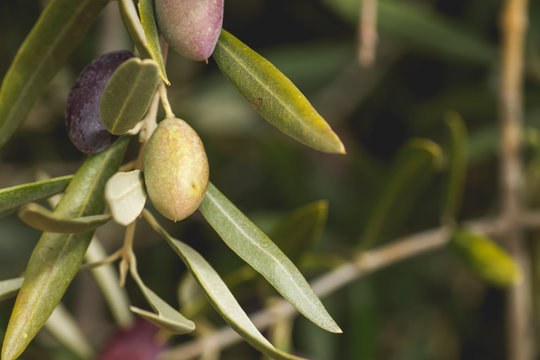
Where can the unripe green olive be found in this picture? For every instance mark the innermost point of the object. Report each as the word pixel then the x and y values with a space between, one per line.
pixel 191 27
pixel 175 169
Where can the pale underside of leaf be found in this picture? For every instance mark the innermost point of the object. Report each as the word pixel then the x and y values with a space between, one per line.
pixel 125 196
pixel 167 317
pixel 273 95
pixel 59 29
pixel 15 196
pixel 9 288
pixel 148 21
pixel 42 219
pixel 254 247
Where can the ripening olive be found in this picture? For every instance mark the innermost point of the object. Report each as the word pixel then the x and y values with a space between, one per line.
pixel 191 27
pixel 175 169
pixel 83 121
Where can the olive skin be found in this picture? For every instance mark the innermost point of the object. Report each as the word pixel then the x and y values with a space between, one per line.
pixel 191 27
pixel 175 169
pixel 83 122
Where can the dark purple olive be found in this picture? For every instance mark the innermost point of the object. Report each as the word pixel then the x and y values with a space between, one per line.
pixel 84 126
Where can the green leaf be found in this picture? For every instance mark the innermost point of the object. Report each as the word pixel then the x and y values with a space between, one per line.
pixel 273 95
pixel 125 196
pixel 128 94
pixel 455 181
pixel 148 21
pixel 167 317
pixel 255 248
pixel 485 258
pixel 298 231
pixel 15 196
pixel 133 26
pixel 10 287
pixel 422 29
pixel 411 170
pixel 59 29
pixel 42 219
pixel 57 257
pixel 220 296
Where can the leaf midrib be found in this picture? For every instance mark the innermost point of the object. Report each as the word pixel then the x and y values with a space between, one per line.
pixel 243 65
pixel 280 265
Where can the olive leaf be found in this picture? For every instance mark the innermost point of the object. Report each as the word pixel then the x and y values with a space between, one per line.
pixel 133 26
pixel 413 167
pixel 59 29
pixel 486 259
pixel 255 248
pixel 125 196
pixel 15 196
pixel 10 287
pixel 273 95
pixel 167 317
pixel 42 219
pixel 56 258
pixel 148 21
pixel 128 94
pixel 219 294
pixel 455 181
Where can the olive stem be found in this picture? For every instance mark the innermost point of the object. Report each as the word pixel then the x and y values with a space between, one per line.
pixel 126 252
pixel 165 102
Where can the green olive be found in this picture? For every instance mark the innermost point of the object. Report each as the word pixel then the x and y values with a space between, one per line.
pixel 175 169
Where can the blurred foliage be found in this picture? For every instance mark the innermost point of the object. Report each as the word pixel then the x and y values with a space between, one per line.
pixel 428 307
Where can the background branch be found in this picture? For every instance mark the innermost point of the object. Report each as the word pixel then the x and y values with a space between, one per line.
pixel 367 263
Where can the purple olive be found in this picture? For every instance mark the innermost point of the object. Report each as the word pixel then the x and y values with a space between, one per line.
pixel 191 27
pixel 84 126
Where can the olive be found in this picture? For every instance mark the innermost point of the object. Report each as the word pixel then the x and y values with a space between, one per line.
pixel 175 169
pixel 83 122
pixel 191 27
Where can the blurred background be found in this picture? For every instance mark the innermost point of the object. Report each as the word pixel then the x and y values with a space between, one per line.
pixel 433 57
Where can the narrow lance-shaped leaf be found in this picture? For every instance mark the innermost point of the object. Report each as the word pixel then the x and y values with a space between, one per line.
pixel 273 95
pixel 219 295
pixel 128 94
pixel 59 29
pixel 411 169
pixel 133 26
pixel 15 196
pixel 57 257
pixel 167 317
pixel 9 288
pixel 486 259
pixel 148 21
pixel 125 196
pixel 255 248
pixel 43 219
pixel 453 189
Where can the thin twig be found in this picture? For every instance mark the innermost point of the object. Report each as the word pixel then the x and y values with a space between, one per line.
pixel 519 325
pixel 369 262
pixel 367 32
